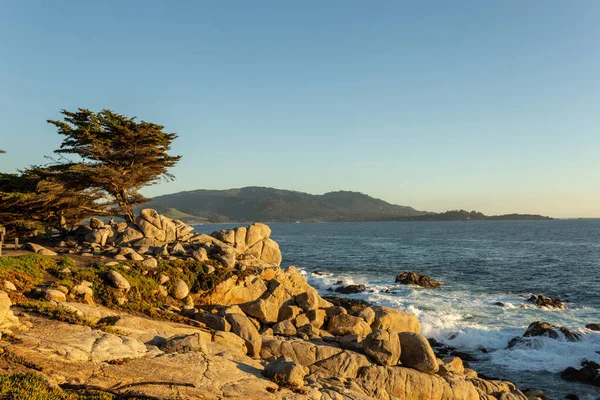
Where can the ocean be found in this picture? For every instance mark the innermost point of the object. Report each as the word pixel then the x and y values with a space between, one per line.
pixel 480 263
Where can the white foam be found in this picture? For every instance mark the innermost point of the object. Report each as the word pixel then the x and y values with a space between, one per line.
pixel 471 321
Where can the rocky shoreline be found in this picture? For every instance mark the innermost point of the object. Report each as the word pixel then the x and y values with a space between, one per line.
pixel 172 313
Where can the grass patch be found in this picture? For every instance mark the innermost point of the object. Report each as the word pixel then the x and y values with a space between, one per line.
pixel 32 386
pixel 144 297
pixel 50 311
pixel 27 271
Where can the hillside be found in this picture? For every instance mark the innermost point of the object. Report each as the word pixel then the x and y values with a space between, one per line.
pixel 275 205
pixel 268 204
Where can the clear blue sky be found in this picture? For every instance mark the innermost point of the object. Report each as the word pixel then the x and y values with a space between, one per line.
pixel 487 105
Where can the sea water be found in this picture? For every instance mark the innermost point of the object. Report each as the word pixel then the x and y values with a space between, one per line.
pixel 480 263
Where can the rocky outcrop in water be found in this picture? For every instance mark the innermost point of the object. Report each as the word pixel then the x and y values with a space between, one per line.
pixel 588 373
pixel 545 329
pixel 412 278
pixel 546 302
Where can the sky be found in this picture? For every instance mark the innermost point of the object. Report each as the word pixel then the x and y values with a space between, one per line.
pixel 479 105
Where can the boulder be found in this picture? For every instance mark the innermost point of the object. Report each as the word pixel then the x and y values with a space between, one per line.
pixel 285 370
pixel 200 254
pixel 178 250
pixel 150 263
pixel 351 289
pixel 344 365
pixel 9 286
pixel 271 254
pixel 383 346
pixel 288 312
pixel 257 232
pixel 412 278
pixel 213 321
pixel 284 328
pixel 408 384
pixel 185 343
pixel 395 320
pixel 95 223
pixel 225 235
pixel 352 342
pixel 451 365
pixel 36 248
pixel 367 314
pixel 593 327
pixel 243 327
pixel 118 280
pixel 539 328
pixel 263 310
pixel 308 300
pixel 345 324
pixel 240 238
pixel 316 318
pixel 547 302
pixel 7 318
pixel 180 290
pixel 231 341
pixel 588 373
pixel 417 353
pixel 129 235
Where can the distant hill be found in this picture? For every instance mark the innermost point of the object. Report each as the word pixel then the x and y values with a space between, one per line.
pixel 268 204
pixel 250 204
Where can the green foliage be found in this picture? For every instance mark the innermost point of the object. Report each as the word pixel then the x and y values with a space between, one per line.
pixel 57 313
pixel 120 155
pixel 45 197
pixel 33 386
pixel 25 271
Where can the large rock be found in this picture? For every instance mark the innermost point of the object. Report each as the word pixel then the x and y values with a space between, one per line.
pixel 7 318
pixel 345 364
pixel 180 290
pixel 36 248
pixel 257 232
pixel 243 327
pixel 588 373
pixel 185 343
pixel 130 234
pixel 271 254
pixel 350 289
pixel 284 328
pixel 263 310
pixel 383 346
pixel 234 291
pixel 408 384
pixel 412 278
pixel 395 320
pixel 240 239
pixel 308 300
pixel 284 369
pixel 118 280
pixel 539 328
pixel 344 324
pixel 416 352
pixel 303 352
pixel 95 223
pixel 547 302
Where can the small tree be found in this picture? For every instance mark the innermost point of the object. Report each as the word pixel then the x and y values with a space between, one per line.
pixel 119 155
pixel 45 197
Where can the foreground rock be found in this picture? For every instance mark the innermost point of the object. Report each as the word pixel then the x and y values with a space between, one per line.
pixel 412 278
pixel 383 346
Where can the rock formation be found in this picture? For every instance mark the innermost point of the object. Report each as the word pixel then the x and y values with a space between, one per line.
pixel 412 278
pixel 251 330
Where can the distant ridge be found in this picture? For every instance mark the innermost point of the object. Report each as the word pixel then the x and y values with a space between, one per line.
pixel 254 203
